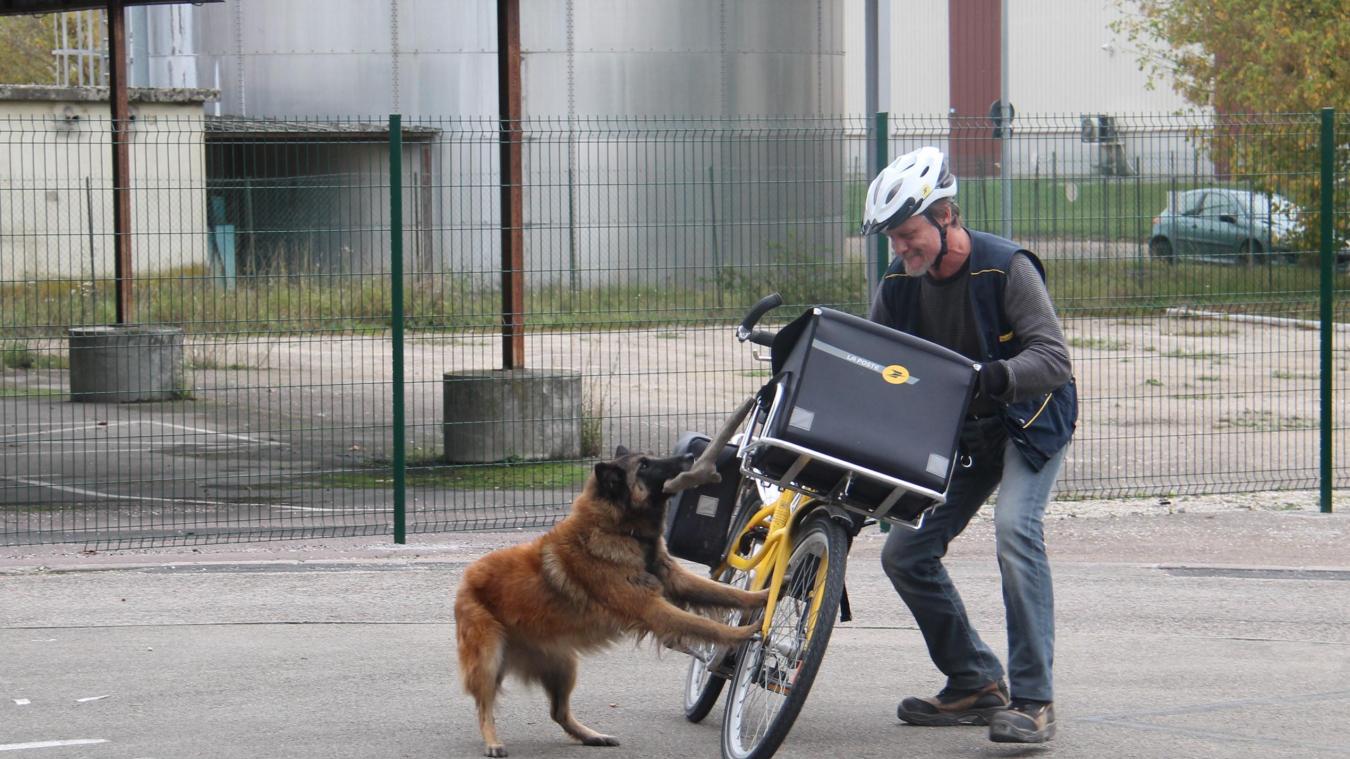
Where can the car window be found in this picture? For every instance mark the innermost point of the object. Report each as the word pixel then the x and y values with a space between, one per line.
pixel 1218 203
pixel 1189 203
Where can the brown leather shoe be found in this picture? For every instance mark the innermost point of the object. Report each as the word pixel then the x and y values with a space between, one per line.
pixel 1023 722
pixel 953 707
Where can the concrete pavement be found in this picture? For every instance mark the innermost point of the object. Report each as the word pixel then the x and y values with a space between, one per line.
pixel 1199 628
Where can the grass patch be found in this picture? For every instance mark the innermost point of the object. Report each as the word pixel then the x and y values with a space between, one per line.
pixel 207 364
pixel 18 356
pixel 1282 374
pixel 1205 332
pixel 1098 343
pixel 1104 208
pixel 1194 355
pixel 26 392
pixel 1128 289
pixel 1124 289
pixel 1153 382
pixel 1266 421
pixel 505 476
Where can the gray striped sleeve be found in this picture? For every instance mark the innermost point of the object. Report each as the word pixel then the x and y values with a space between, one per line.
pixel 1043 364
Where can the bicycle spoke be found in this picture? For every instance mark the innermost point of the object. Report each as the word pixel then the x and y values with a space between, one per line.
pixel 766 681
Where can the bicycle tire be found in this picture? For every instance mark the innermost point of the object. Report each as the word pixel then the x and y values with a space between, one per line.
pixel 702 687
pixel 773 676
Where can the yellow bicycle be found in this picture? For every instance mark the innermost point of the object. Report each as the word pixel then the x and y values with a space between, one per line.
pixel 794 520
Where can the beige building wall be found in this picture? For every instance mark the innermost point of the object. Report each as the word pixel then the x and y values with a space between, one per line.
pixel 56 219
pixel 1063 60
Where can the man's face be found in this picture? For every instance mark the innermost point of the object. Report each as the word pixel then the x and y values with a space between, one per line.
pixel 916 242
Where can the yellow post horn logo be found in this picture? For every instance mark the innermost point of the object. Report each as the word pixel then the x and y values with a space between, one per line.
pixel 895 374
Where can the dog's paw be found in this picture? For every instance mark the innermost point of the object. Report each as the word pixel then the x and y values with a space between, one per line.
pixel 495 749
pixel 746 632
pixel 600 740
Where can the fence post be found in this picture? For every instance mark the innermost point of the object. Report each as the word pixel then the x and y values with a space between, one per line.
pixel 396 322
pixel 1328 252
pixel 880 130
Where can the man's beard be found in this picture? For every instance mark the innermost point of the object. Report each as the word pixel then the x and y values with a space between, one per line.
pixel 917 268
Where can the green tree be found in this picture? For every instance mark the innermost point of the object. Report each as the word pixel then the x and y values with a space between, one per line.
pixel 1245 57
pixel 26 50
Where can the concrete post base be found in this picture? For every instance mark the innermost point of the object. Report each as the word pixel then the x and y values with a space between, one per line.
pixel 125 363
pixel 513 414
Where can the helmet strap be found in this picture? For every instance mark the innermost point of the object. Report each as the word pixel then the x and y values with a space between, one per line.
pixel 942 235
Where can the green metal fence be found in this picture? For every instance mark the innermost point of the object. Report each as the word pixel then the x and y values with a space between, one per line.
pixel 309 293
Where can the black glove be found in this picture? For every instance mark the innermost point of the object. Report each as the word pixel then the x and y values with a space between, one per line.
pixel 994 379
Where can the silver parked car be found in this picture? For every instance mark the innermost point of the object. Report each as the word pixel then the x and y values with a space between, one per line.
pixel 1219 224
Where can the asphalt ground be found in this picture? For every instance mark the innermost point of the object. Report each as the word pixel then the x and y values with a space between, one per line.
pixel 1190 628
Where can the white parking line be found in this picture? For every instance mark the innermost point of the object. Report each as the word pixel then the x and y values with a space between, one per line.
pixel 52 447
pixel 284 507
pixel 59 430
pixel 114 496
pixel 217 434
pixel 104 426
pixel 186 501
pixel 51 744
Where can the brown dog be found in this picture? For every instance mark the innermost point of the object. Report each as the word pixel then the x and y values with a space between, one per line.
pixel 601 573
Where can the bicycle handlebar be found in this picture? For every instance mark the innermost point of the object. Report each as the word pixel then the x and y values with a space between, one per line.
pixel 747 329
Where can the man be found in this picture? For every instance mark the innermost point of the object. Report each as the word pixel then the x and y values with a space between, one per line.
pixel 984 297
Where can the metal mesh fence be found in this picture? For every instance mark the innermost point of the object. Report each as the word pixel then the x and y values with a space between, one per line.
pixel 253 397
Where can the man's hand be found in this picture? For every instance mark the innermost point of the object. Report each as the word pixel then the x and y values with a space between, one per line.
pixel 994 379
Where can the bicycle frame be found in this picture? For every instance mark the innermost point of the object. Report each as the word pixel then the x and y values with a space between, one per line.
pixel 773 555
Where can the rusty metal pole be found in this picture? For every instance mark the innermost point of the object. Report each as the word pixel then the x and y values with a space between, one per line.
pixel 513 221
pixel 121 156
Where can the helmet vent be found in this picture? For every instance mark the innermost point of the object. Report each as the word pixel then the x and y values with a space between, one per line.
pixel 891 195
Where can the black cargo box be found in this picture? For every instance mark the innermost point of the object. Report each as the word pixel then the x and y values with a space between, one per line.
pixel 863 414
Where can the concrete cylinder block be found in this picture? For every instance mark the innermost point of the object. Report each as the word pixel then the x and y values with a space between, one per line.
pixel 126 363
pixel 515 414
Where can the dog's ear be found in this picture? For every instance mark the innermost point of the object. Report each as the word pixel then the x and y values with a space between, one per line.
pixel 611 481
pixel 620 451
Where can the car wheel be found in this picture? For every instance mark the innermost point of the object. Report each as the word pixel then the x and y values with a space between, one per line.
pixel 1161 249
pixel 1248 252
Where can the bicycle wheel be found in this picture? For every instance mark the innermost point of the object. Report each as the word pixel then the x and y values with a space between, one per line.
pixel 774 675
pixel 707 676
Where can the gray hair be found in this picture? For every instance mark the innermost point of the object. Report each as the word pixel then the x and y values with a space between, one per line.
pixel 951 203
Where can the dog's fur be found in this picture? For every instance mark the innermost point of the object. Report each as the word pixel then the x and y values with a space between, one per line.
pixel 600 574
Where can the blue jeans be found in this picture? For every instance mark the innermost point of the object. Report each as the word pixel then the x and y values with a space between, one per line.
pixel 913 561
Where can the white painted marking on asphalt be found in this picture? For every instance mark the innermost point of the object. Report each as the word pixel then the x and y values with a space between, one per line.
pixel 141 422
pixel 87 699
pixel 217 434
pixel 22 702
pixel 98 494
pixel 59 430
pixel 283 507
pixel 47 452
pixel 115 497
pixel 51 744
pixel 183 501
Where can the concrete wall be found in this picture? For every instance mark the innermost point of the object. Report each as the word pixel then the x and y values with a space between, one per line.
pixel 53 141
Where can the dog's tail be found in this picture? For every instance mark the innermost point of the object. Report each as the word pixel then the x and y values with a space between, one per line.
pixel 482 644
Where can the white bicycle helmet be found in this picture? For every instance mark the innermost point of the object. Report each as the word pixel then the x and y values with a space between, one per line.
pixel 907 187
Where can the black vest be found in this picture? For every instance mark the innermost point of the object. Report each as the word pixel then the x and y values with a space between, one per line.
pixel 1039 426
